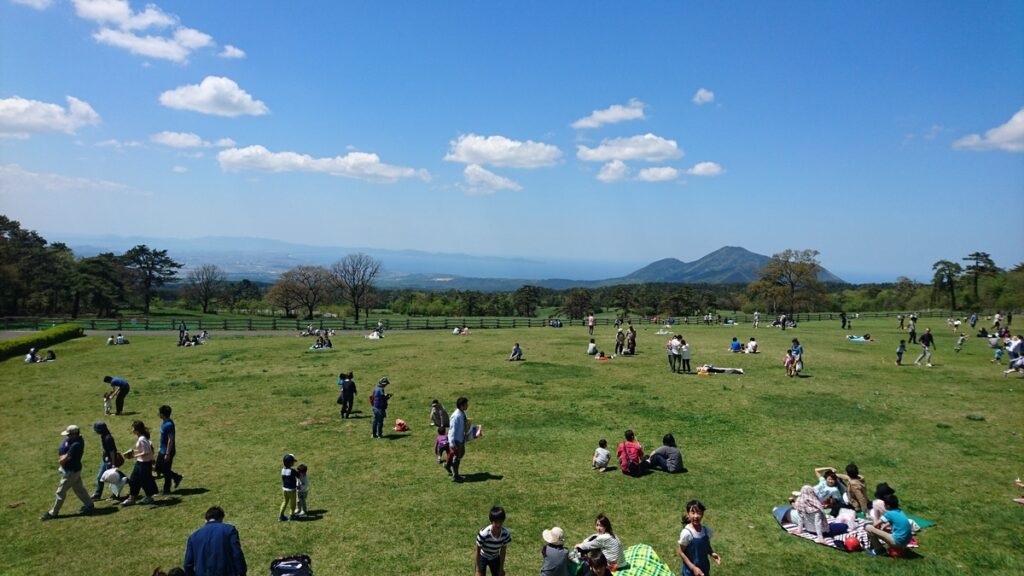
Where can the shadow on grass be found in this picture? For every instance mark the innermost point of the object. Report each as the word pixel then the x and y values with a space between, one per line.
pixel 480 477
pixel 190 491
pixel 311 516
pixel 95 512
pixel 166 501
pixel 395 436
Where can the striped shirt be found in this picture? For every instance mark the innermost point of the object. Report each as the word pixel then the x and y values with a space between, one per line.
pixel 490 547
pixel 608 545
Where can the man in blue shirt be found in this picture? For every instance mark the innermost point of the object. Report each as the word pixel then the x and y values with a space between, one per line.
pixel 122 390
pixel 70 461
pixel 215 549
pixel 168 446
pixel 380 407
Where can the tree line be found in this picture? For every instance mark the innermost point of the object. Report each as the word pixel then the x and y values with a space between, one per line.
pixel 38 278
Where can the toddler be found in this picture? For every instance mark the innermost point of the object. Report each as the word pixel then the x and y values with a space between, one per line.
pixel 116 479
pixel 899 352
pixel 301 490
pixel 106 401
pixel 789 363
pixel 289 484
pixel 998 358
pixel 441 444
pixel 695 548
pixel 601 456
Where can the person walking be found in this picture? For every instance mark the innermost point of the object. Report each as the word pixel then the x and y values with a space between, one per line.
pixel 168 448
pixel 107 459
pixel 590 323
pixel 348 393
pixel 70 461
pixel 842 320
pixel 142 473
pixel 380 406
pixel 912 331
pixel 927 342
pixel 122 387
pixel 457 438
pixel 215 549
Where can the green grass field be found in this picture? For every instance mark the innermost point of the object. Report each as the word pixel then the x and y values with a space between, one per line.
pixel 241 402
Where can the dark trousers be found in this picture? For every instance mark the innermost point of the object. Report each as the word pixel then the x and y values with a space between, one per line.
pixel 142 479
pixel 686 364
pixel 122 391
pixel 493 563
pixel 378 423
pixel 163 466
pixel 455 453
pixel 346 407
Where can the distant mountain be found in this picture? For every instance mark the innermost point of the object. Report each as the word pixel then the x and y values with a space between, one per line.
pixel 727 265
pixel 263 260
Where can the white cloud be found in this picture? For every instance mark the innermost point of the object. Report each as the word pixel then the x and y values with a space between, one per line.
pixel 179 140
pixel 706 169
pixel 20 117
pixel 215 95
pixel 179 169
pixel 647 147
pixel 16 180
pixel 482 181
pixel 501 151
pixel 112 143
pixel 37 4
pixel 703 96
pixel 612 115
pixel 613 171
pixel 233 52
pixel 119 24
pixel 361 165
pixel 658 174
pixel 1008 137
pixel 225 142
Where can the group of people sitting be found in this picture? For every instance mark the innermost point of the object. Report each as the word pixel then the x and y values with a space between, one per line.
pixel 194 340
pixel 633 461
pixel 738 347
pixel 843 495
pixel 463 331
pixel 310 331
pixel 115 340
pixel 322 342
pixel 33 357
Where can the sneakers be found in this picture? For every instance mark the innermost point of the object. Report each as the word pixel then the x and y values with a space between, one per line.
pixel 458 479
pixel 97 497
pixel 282 518
pixel 299 515
pixel 928 365
pixel 86 509
pixel 293 517
pixel 47 516
pixel 177 481
pixel 147 500
pixel 127 502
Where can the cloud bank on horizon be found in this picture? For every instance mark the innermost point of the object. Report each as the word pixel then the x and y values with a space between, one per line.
pixel 507 149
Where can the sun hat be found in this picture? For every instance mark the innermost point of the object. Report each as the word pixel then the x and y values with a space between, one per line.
pixel 383 381
pixel 554 536
pixel 71 429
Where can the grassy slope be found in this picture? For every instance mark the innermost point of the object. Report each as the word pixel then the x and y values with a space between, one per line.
pixel 241 402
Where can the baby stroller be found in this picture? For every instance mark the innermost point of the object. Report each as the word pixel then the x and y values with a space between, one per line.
pixel 298 565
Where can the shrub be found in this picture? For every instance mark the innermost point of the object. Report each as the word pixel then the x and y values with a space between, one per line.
pixel 39 340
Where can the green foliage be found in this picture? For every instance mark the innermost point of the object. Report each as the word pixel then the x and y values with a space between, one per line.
pixel 39 340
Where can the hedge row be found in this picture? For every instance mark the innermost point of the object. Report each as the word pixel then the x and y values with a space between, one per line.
pixel 39 340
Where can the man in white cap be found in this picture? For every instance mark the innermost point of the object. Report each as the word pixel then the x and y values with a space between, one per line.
pixel 70 461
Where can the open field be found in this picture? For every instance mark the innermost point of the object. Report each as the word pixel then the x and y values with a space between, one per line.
pixel 241 402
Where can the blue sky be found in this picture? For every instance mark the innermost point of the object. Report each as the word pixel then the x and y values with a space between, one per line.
pixel 885 135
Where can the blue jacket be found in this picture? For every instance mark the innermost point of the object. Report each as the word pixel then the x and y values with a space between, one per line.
pixel 215 550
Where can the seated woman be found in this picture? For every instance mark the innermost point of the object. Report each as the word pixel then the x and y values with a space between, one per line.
pixel 591 348
pixel 667 456
pixel 829 489
pixel 456 331
pixel 631 456
pixel 604 541
pixel 751 347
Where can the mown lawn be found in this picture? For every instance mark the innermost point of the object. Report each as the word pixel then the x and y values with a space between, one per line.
pixel 241 402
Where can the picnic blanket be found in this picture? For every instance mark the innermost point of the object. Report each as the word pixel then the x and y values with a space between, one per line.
pixel 856 529
pixel 643 561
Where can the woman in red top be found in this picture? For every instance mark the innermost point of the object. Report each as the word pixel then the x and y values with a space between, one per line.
pixel 631 456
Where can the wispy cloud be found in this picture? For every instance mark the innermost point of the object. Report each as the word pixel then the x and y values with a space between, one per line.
pixel 614 114
pixel 232 52
pixel 179 169
pixel 646 147
pixel 215 95
pixel 703 96
pixel 502 151
pixel 20 117
pixel 37 4
pixel 1008 137
pixel 613 171
pixel 706 169
pixel 360 165
pixel 16 180
pixel 118 144
pixel 479 180
pixel 657 174
pixel 179 140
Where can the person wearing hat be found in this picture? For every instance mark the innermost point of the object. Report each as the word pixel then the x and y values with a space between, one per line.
pixel 380 406
pixel 289 486
pixel 556 557
pixel 70 461
pixel 108 457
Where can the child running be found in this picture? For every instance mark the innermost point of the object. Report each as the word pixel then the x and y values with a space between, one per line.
pixel 695 548
pixel 441 445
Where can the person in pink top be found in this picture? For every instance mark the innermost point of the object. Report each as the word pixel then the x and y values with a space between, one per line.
pixel 631 456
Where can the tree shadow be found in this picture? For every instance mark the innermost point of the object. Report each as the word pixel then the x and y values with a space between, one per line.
pixel 480 477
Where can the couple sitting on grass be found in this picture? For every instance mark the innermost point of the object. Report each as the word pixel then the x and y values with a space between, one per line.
pixel 632 460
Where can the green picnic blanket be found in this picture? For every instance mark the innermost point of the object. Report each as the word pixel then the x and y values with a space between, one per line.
pixel 644 561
